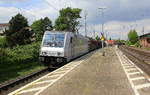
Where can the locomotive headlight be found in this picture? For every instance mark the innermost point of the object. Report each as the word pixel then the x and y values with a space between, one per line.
pixel 60 53
pixel 43 53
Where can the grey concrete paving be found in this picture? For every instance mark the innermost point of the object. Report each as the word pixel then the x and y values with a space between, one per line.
pixel 99 75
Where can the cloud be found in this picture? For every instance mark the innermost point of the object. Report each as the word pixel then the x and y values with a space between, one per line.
pixel 12 1
pixel 119 10
pixel 119 29
pixel 7 13
pixel 31 12
pixel 119 17
pixel 37 13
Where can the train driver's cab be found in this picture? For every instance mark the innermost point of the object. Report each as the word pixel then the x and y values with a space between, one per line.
pixel 53 44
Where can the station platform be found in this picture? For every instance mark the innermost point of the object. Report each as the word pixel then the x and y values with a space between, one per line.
pixel 92 74
pixel 97 75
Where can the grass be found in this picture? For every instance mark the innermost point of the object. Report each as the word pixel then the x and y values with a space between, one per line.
pixel 144 48
pixel 12 71
pixel 147 48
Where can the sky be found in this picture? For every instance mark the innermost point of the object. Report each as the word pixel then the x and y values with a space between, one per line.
pixel 119 15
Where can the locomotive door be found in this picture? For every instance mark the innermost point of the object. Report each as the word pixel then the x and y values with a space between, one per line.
pixel 71 47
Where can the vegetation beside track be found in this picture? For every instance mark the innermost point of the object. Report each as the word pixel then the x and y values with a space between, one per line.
pixel 2 42
pixel 146 48
pixel 19 61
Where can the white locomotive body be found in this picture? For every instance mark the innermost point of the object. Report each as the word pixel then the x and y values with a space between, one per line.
pixel 59 47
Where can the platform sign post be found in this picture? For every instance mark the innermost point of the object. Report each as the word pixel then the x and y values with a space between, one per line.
pixel 102 43
pixel 102 40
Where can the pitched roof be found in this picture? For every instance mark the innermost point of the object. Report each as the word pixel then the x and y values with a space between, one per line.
pixel 110 41
pixel 145 35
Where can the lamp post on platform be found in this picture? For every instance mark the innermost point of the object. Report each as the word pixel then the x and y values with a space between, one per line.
pixel 85 22
pixel 102 10
pixel 102 38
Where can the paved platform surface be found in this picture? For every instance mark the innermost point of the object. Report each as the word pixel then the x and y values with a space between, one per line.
pixel 98 75
pixel 92 74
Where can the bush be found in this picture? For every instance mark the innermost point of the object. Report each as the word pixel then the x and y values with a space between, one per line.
pixel 3 42
pixel 137 44
pixel 20 54
pixel 128 43
pixel 19 61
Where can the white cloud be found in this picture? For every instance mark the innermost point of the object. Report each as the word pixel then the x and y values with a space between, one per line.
pixel 12 1
pixel 118 29
pixel 30 13
pixel 7 13
pixel 120 15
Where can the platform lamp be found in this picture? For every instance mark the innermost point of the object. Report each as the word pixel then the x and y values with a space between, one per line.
pixel 102 10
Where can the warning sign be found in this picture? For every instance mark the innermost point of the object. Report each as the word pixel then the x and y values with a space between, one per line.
pixel 102 38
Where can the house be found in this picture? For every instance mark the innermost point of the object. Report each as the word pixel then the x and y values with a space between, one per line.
pixel 145 40
pixel 3 27
pixel 110 42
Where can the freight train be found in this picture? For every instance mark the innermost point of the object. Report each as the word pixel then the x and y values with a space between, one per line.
pixel 59 47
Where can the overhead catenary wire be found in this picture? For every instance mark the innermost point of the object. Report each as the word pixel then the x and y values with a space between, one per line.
pixel 51 5
pixel 66 3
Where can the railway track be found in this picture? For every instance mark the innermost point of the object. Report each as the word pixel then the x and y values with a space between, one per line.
pixel 145 56
pixel 139 57
pixel 11 85
pixel 140 54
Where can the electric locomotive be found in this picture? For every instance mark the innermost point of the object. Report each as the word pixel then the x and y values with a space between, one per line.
pixel 59 47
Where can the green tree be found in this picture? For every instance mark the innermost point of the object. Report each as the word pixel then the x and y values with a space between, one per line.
pixel 18 32
pixel 97 38
pixel 133 36
pixel 37 26
pixel 40 26
pixel 110 38
pixel 68 19
pixel 47 24
pixel 37 29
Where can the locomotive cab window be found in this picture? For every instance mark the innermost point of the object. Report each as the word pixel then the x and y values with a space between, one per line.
pixel 54 40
